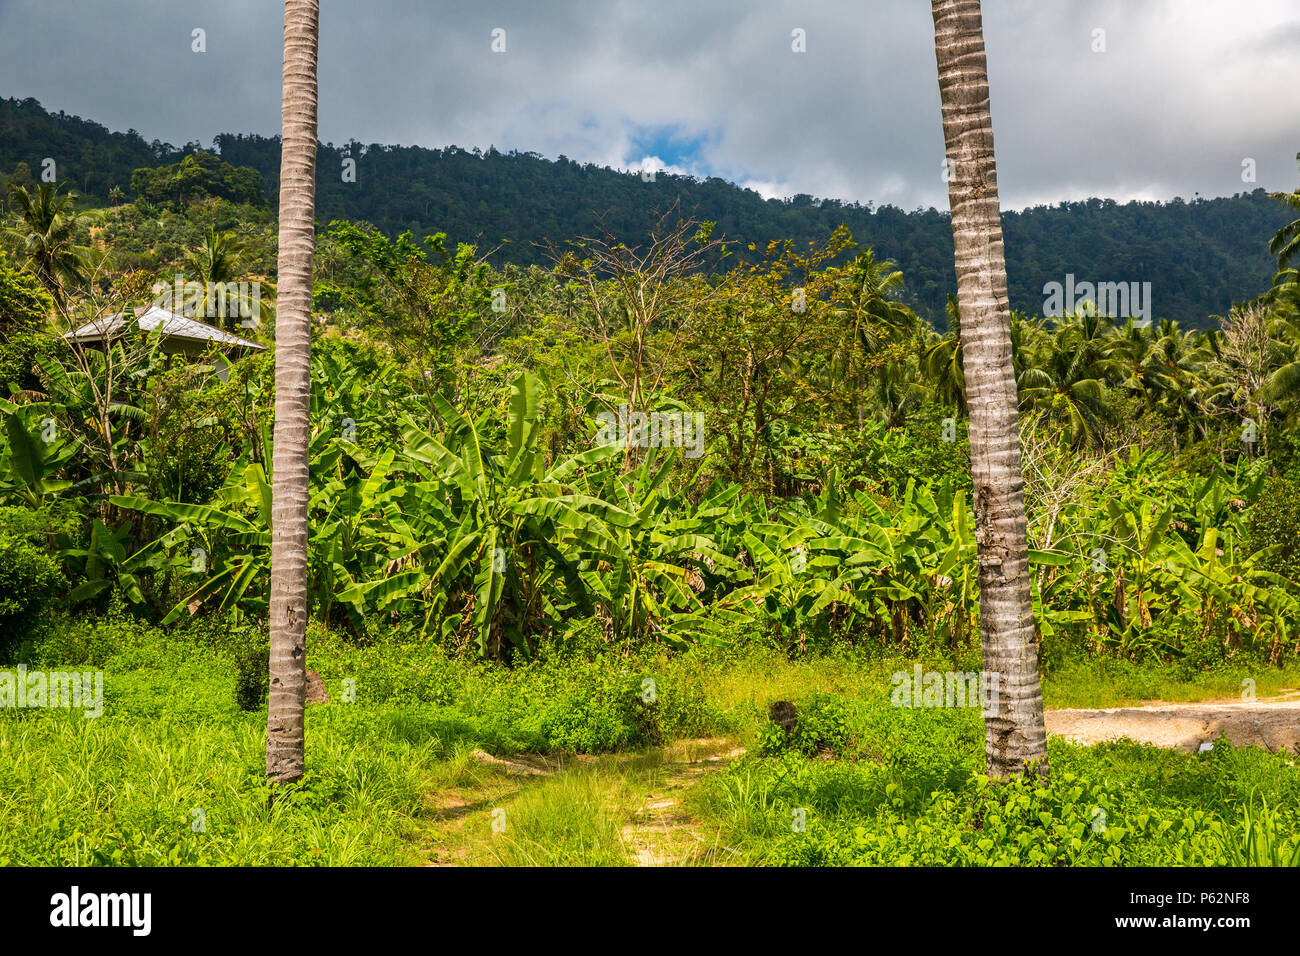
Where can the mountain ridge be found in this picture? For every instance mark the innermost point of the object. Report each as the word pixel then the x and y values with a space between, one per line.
pixel 1200 256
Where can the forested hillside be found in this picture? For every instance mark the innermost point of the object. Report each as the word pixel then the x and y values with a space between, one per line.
pixel 414 521
pixel 1200 256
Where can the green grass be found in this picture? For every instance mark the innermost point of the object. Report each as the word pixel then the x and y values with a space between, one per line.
pixel 121 790
pixel 574 819
pixel 172 773
pixel 909 792
pixel 125 787
pixel 1105 682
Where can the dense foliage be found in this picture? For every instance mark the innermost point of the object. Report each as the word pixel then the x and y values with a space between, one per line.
pixel 602 506
pixel 1201 256
pixel 479 475
pixel 198 176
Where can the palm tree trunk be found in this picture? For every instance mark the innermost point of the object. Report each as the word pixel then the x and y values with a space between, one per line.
pixel 288 613
pixel 1015 738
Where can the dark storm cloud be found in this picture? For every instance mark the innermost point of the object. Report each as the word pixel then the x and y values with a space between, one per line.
pixel 1184 92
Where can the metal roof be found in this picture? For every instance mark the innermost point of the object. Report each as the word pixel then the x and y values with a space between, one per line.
pixel 173 326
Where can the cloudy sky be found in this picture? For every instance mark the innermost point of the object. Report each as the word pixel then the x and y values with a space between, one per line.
pixel 1122 98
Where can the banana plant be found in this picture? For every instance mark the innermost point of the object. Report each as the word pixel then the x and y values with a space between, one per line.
pixel 655 578
pixel 1226 588
pixel 1141 529
pixel 102 564
pixel 221 550
pixel 517 532
pixel 28 464
pixel 99 401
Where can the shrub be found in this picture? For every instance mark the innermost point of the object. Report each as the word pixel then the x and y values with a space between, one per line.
pixel 684 707
pixel 647 713
pixel 820 723
pixel 1275 520
pixel 919 452
pixel 18 356
pixel 191 428
pixel 23 302
pixel 581 639
pixel 253 679
pixel 29 582
pixel 582 724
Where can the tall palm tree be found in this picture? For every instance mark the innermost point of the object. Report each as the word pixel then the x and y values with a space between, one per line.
pixel 1284 382
pixel 1059 383
pixel 1064 373
pixel 46 236
pixel 869 315
pixel 222 259
pixel 941 362
pixel 1285 244
pixel 1182 358
pixel 896 394
pixel 867 301
pixel 1015 736
pixel 1137 364
pixel 288 611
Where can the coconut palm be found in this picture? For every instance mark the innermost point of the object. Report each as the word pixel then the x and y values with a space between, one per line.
pixel 895 394
pixel 1284 382
pixel 1093 336
pixel 222 259
pixel 289 489
pixel 45 236
pixel 1182 360
pixel 869 317
pixel 1285 244
pixel 941 362
pixel 1059 382
pixel 1015 737
pixel 867 301
pixel 1027 338
pixel 1139 363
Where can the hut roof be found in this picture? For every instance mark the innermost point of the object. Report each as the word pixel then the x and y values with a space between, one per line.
pixel 173 327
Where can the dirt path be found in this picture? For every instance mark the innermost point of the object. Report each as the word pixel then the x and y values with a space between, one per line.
pixel 661 833
pixel 648 788
pixel 1270 722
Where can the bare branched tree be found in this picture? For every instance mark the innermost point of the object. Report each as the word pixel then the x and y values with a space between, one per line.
pixel 1244 356
pixel 640 299
pixel 108 364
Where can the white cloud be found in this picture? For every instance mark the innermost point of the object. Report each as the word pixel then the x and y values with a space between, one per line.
pixel 1185 90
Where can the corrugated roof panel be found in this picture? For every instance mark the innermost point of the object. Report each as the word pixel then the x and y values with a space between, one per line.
pixel 173 326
